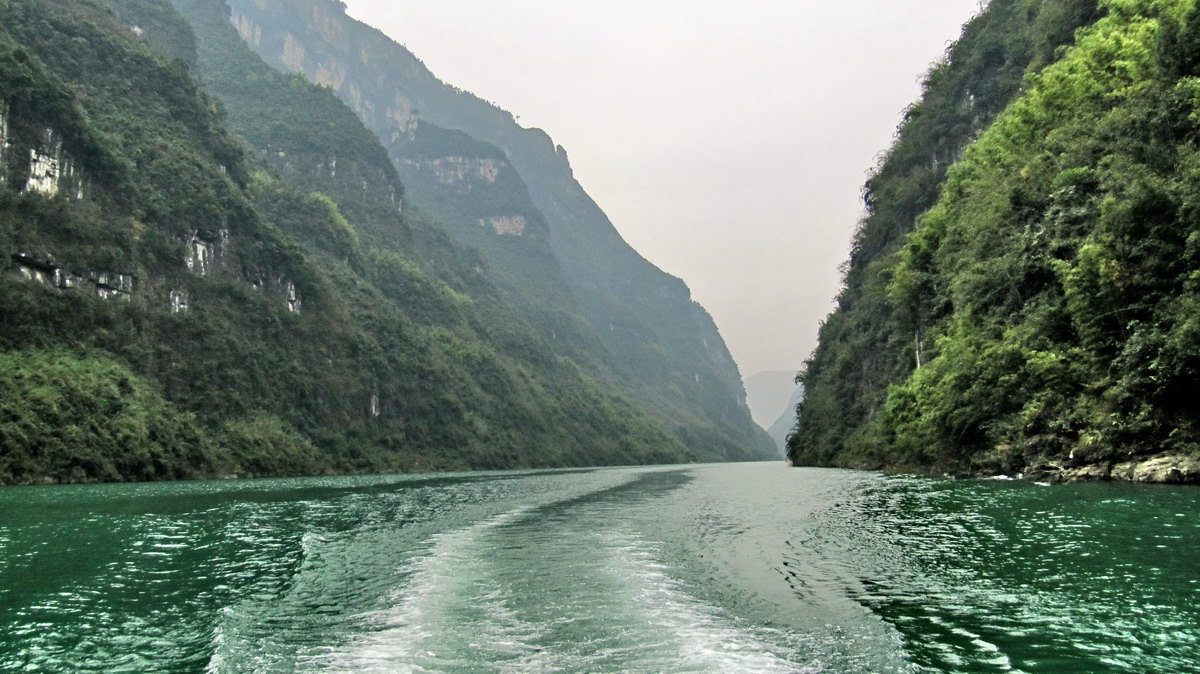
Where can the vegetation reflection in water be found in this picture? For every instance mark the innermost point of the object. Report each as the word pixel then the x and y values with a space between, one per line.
pixel 691 568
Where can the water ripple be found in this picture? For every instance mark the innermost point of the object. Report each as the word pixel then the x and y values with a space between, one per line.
pixel 705 569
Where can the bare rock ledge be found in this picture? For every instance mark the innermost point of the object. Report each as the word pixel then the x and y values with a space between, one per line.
pixel 1169 468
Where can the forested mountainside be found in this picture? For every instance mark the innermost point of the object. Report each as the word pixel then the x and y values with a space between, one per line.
pixel 177 306
pixel 1041 316
pixel 509 193
pixel 781 428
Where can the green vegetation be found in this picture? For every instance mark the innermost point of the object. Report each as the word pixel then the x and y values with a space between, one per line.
pixel 227 315
pixel 568 274
pixel 64 416
pixel 1044 311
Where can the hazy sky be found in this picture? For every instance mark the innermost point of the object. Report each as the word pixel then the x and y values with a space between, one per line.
pixel 728 141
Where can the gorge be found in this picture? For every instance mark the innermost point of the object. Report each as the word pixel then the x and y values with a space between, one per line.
pixel 295 296
pixel 311 361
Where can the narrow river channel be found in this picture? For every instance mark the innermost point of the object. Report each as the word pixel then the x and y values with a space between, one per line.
pixel 715 568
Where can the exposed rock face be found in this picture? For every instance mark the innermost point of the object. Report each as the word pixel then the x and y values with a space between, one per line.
pixel 203 257
pixel 402 113
pixel 41 269
pixel 507 225
pixel 52 169
pixel 3 142
pixel 461 170
pixel 474 167
pixel 291 298
pixel 282 287
pixel 293 52
pixel 179 302
pixel 249 31
pixel 111 285
pixel 200 255
pixel 329 25
pixel 1168 468
pixel 46 270
pixel 331 75
pixel 346 170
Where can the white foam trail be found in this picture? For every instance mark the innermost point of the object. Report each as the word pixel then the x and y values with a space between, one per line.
pixel 523 592
pixel 448 597
pixel 694 636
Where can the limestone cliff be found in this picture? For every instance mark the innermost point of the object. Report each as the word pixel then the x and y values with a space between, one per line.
pixel 653 337
pixel 181 302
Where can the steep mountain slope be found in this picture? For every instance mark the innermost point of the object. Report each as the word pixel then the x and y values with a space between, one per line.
pixel 179 308
pixel 511 193
pixel 1041 317
pixel 782 427
pixel 862 349
pixel 767 393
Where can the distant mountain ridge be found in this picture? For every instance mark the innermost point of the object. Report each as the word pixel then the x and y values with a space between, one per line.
pixel 767 393
pixel 184 301
pixel 782 427
pixel 509 192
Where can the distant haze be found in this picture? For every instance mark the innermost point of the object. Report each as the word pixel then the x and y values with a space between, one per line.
pixel 767 395
pixel 727 141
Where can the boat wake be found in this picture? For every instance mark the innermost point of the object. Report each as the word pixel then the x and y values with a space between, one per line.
pixel 565 587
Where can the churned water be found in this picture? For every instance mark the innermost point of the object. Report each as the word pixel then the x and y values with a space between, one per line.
pixel 729 568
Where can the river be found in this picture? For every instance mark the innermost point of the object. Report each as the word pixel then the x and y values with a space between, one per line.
pixel 713 568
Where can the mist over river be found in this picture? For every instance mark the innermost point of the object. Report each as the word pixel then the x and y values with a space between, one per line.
pixel 712 568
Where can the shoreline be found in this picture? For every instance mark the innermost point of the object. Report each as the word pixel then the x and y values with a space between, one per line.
pixel 1168 468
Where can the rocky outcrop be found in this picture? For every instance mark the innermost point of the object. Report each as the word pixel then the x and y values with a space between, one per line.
pixel 46 270
pixel 293 52
pixel 204 256
pixel 249 30
pixel 179 302
pixel 1166 468
pixel 291 299
pixel 508 225
pixel 346 171
pixel 41 269
pixel 111 285
pixel 457 170
pixel 48 168
pixel 331 75
pixel 473 167
pixel 3 141
pixel 403 114
pixel 51 168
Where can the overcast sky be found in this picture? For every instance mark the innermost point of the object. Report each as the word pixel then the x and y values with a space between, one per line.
pixel 728 141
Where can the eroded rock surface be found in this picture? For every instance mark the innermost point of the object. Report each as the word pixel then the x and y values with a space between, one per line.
pixel 1166 468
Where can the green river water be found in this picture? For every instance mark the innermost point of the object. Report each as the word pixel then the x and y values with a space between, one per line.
pixel 721 568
